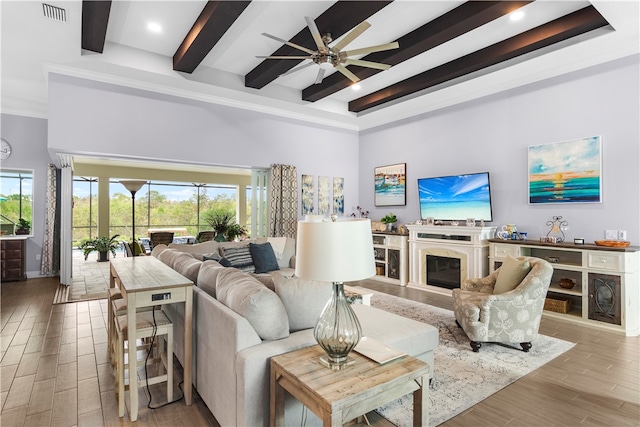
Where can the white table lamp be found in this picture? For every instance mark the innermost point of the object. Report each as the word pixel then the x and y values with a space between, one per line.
pixel 337 251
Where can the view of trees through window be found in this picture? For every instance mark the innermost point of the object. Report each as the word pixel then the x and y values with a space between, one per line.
pixel 16 200
pixel 157 205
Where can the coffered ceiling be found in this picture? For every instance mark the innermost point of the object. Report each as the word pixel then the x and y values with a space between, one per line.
pixel 449 51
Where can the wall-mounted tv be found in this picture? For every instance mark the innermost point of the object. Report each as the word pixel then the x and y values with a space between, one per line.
pixel 455 197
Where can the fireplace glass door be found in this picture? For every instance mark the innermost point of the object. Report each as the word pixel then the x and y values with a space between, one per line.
pixel 443 272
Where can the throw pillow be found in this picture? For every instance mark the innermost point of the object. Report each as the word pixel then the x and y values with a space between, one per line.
pixel 264 259
pixel 214 256
pixel 512 272
pixel 303 299
pixel 240 258
pixel 255 302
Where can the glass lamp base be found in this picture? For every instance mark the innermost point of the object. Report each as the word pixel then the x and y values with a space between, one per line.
pixel 336 366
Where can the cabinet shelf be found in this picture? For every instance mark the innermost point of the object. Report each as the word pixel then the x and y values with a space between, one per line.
pixel 606 294
pixel 391 257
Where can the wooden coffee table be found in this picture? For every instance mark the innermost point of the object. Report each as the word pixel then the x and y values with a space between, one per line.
pixel 337 397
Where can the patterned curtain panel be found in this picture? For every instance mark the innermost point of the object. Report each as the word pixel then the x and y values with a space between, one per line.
pixel 283 201
pixel 51 244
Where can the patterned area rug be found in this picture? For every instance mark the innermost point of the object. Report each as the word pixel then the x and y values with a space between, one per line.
pixel 462 377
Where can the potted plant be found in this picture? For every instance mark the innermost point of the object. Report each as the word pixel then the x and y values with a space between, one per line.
pixel 23 226
pixel 220 221
pixel 389 220
pixel 236 230
pixel 102 245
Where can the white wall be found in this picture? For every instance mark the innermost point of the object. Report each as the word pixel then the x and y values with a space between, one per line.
pixel 100 119
pixel 28 139
pixel 492 134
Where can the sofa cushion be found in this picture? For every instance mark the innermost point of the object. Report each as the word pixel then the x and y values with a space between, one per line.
pixel 188 266
pixel 255 302
pixel 168 256
pixel 158 249
pixel 207 276
pixel 303 299
pixel 512 272
pixel 239 257
pixel 264 259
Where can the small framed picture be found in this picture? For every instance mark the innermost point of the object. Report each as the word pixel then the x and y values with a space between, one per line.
pixel 390 185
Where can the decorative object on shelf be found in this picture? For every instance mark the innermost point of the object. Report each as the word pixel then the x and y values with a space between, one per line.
pixel 557 305
pixel 23 226
pixel 522 235
pixel 429 221
pixel 102 245
pixel 390 185
pixel 361 213
pixel 389 220
pixel 454 223
pixel 133 186
pixel 471 222
pixel 556 232
pixel 578 241
pixel 556 177
pixel 338 251
pixel 567 283
pixel 613 243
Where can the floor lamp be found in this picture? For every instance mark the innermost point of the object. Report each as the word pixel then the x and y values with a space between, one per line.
pixel 133 186
pixel 337 251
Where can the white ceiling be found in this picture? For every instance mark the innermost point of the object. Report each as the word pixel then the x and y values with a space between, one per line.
pixel 33 46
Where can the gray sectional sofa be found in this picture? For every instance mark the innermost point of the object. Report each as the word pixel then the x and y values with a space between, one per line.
pixel 242 319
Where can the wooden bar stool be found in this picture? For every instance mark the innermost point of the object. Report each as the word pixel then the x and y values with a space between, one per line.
pixel 144 329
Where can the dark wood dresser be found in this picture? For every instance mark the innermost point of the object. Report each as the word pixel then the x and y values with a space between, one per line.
pixel 13 256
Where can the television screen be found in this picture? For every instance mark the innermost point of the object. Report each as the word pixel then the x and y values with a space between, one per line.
pixel 456 197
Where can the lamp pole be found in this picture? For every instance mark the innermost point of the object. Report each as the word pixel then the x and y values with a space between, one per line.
pixel 133 187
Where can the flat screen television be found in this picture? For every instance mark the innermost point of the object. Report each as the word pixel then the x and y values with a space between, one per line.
pixel 456 197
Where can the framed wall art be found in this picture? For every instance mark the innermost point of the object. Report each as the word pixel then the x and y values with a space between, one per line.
pixel 338 196
pixel 324 195
pixel 391 185
pixel 566 172
pixel 307 194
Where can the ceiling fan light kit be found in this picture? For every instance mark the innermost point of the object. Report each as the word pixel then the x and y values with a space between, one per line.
pixel 327 57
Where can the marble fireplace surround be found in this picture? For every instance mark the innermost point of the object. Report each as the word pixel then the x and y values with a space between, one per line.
pixel 468 244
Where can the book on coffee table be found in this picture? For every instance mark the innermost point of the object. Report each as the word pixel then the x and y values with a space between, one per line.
pixel 377 350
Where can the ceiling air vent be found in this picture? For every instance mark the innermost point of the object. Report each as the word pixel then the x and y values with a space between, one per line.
pixel 54 12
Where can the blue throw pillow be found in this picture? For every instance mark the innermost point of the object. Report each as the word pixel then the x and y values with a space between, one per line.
pixel 264 259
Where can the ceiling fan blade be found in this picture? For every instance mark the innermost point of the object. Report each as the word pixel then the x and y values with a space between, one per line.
pixel 317 37
pixel 371 49
pixel 285 57
pixel 297 46
pixel 298 68
pixel 361 28
pixel 348 74
pixel 320 76
pixel 368 64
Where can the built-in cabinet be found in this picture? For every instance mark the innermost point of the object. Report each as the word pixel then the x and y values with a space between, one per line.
pixel 391 256
pixel 13 258
pixel 607 281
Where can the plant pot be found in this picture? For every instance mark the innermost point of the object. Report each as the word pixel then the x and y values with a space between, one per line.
pixel 22 231
pixel 390 226
pixel 103 256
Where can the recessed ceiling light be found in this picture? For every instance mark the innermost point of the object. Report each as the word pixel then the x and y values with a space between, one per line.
pixel 517 15
pixel 154 27
pixel 355 86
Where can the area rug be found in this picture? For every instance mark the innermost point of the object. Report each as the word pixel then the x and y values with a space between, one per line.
pixel 462 378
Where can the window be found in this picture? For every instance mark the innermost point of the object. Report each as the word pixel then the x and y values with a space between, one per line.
pixel 16 199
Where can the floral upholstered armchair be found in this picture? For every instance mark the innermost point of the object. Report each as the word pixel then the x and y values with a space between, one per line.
pixel 511 315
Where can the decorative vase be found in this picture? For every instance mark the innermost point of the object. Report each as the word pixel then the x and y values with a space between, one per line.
pixel 390 226
pixel 103 256
pixel 338 329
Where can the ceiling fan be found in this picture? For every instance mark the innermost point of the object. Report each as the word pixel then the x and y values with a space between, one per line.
pixel 328 57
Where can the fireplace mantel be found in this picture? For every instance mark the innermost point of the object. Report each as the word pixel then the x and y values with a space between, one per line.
pixel 469 244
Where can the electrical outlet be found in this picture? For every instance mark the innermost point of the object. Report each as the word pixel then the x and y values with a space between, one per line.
pixel 611 234
pixel 37 257
pixel 622 235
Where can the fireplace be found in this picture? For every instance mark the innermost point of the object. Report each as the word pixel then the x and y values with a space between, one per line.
pixel 443 272
pixel 441 257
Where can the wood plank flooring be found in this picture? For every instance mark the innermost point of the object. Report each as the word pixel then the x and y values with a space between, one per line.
pixel 54 371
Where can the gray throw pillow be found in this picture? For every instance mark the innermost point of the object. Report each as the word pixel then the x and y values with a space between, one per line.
pixel 239 257
pixel 303 299
pixel 264 259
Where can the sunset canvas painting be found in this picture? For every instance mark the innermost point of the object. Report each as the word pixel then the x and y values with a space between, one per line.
pixel 566 172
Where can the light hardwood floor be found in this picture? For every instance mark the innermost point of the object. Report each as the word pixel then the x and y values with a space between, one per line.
pixel 54 372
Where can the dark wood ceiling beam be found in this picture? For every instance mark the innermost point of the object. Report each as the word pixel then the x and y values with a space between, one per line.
pixel 214 20
pixel 566 27
pixel 442 29
pixel 341 17
pixel 95 18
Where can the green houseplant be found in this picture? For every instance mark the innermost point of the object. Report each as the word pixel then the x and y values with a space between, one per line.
pixel 224 224
pixel 102 245
pixel 23 226
pixel 389 219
